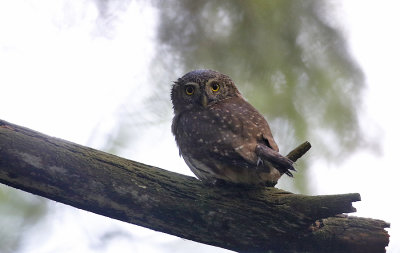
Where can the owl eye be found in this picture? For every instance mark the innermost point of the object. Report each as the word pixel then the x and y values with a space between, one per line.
pixel 215 87
pixel 189 90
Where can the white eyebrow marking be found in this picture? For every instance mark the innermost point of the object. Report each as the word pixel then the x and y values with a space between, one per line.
pixel 192 83
pixel 210 81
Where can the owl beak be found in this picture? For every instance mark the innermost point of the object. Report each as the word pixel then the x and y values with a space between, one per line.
pixel 204 101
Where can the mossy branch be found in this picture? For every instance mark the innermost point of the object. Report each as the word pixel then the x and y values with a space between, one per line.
pixel 244 220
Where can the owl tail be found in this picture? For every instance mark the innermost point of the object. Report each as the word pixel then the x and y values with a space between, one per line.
pixel 281 163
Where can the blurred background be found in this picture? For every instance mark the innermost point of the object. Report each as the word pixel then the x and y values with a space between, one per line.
pixel 98 73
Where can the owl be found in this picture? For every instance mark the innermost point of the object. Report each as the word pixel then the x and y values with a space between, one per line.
pixel 220 135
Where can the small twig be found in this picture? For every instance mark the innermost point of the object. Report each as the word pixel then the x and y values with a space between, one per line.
pixel 298 152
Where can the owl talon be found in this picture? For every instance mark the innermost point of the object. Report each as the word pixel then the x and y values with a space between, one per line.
pixel 259 161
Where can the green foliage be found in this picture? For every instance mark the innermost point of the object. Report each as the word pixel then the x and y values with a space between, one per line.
pixel 288 57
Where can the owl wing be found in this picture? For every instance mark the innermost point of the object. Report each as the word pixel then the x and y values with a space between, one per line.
pixel 269 139
pixel 260 143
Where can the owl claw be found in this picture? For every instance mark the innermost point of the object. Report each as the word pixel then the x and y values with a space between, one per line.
pixel 259 162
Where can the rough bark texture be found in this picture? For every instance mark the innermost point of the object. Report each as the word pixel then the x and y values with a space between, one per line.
pixel 239 219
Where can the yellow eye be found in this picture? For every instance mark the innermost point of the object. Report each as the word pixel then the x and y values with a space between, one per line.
pixel 215 87
pixel 189 90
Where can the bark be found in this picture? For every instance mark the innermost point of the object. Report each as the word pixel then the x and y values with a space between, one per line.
pixel 231 217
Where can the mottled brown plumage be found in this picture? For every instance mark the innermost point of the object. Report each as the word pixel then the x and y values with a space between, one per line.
pixel 220 135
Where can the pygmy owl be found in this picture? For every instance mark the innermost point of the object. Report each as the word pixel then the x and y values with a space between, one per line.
pixel 220 135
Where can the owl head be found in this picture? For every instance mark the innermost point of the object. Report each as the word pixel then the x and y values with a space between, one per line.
pixel 201 89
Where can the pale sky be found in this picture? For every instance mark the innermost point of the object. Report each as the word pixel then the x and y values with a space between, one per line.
pixel 59 78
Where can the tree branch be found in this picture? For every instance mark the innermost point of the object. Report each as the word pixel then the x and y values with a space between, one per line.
pixel 245 220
